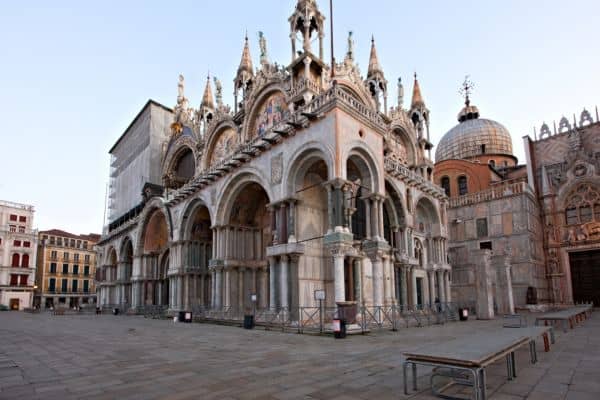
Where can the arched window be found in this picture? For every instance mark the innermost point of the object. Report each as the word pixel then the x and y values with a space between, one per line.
pixel 25 261
pixel 583 205
pixel 492 163
pixel 462 185
pixel 446 185
pixel 16 260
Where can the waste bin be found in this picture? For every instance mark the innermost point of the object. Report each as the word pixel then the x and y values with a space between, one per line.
pixel 184 316
pixel 248 321
pixel 339 328
pixel 115 311
pixel 463 314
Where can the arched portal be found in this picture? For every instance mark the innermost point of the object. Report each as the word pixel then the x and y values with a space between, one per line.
pixel 107 277
pixel 124 272
pixel 241 266
pixel 357 172
pixel 155 261
pixel 197 235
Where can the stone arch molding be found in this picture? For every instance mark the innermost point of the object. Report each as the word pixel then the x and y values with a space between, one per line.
pixel 152 206
pixel 122 244
pixel 232 187
pixel 299 162
pixel 190 208
pixel 434 213
pixel 364 153
pixel 401 203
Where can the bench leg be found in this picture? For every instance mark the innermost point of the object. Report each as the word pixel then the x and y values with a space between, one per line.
pixel 532 351
pixel 509 371
pixel 414 376
pixel 482 391
pixel 571 323
pixel 546 342
pixel 514 364
pixel 404 375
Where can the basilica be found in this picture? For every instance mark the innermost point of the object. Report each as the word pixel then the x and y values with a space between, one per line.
pixel 308 187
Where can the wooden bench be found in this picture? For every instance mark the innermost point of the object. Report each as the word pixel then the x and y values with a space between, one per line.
pixel 569 317
pixel 464 359
pixel 58 311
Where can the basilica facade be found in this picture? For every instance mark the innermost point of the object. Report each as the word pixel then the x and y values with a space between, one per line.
pixel 308 183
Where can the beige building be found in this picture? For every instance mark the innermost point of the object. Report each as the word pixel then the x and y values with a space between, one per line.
pixel 18 243
pixel 66 269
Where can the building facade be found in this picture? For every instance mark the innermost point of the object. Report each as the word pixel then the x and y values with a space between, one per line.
pixel 18 243
pixel 563 165
pixel 66 269
pixel 492 208
pixel 310 182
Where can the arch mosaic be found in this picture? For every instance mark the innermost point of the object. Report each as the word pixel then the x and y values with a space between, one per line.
pixel 269 111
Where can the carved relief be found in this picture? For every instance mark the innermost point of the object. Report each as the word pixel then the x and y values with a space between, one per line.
pixel 277 169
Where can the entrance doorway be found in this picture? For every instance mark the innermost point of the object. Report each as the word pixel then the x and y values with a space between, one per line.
pixel 14 304
pixel 585 276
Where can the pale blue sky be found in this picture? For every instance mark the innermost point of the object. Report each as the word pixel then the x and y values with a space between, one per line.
pixel 73 74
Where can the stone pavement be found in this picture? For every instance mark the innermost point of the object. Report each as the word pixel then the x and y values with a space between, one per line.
pixel 120 357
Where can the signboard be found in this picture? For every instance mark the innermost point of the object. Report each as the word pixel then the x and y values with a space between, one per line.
pixel 253 298
pixel 320 294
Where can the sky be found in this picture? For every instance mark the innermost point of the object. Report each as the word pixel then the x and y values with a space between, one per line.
pixel 74 74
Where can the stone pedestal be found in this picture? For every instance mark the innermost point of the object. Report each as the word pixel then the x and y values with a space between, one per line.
pixel 484 276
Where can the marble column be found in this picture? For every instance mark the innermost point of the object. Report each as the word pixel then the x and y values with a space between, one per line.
pixel 227 300
pixel 213 288
pixel 380 217
pixel 432 293
pixel 272 283
pixel 377 281
pixel 447 286
pixel 441 285
pixel 241 289
pixel 368 217
pixel 263 288
pixel 387 281
pixel 219 288
pixel 403 286
pixel 374 219
pixel 292 222
pixel 413 285
pixel 338 276
pixel 283 281
pixel 356 265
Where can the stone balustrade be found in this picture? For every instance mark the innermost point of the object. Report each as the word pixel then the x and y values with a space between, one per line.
pixel 509 189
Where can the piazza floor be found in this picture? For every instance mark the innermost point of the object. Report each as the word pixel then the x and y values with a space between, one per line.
pixel 119 357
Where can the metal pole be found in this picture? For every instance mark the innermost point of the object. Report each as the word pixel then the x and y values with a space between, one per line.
pixel 331 33
pixel 320 316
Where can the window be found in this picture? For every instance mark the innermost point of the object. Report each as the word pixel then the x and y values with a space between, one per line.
pixel 16 260
pixel 505 163
pixel 22 219
pixel 26 244
pixel 583 205
pixel 79 244
pixel 492 163
pixel 21 229
pixel 462 186
pixel 66 256
pixel 446 185
pixel 87 258
pixel 59 241
pixel 53 255
pixel 25 261
pixel 12 228
pixel 72 242
pixel 76 257
pixel 52 240
pixel 23 280
pixel 74 285
pixel 52 268
pixel 17 243
pixel 85 245
pixel 65 269
pixel 86 270
pixel 75 269
pixel 13 217
pixel 482 227
pixel 52 285
pixel 485 245
pixel 86 286
pixel 14 279
pixel 572 217
pixel 483 149
pixel 64 285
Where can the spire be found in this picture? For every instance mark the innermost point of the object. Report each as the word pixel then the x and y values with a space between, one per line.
pixel 417 98
pixel 207 99
pixel 374 67
pixel 246 62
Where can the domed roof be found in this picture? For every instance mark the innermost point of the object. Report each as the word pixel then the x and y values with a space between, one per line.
pixel 473 137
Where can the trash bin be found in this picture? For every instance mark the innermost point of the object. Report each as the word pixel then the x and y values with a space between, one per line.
pixel 339 328
pixel 184 316
pixel 98 310
pixel 463 314
pixel 248 321
pixel 115 311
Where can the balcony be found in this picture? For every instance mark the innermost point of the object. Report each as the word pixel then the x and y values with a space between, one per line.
pixel 507 189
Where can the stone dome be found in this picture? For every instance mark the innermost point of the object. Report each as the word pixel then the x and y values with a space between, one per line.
pixel 473 137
